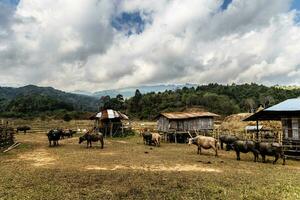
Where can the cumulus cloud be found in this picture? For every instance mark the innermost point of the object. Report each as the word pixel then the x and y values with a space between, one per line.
pixel 78 45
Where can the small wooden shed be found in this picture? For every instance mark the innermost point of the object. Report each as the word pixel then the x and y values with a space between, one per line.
pixel 176 125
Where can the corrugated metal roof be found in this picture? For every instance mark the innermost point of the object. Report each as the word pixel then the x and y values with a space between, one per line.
pixel 109 114
pixel 287 108
pixel 187 115
pixel 287 105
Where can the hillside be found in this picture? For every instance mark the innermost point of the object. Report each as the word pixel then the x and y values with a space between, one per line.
pixel 221 99
pixel 41 99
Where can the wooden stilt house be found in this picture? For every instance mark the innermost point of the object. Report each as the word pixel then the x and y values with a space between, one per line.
pixel 176 125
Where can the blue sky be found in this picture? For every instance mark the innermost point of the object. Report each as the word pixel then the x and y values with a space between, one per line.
pixel 296 4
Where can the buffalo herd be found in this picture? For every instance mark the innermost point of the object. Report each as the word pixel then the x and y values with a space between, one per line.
pixel 55 135
pixel 241 146
pixel 232 143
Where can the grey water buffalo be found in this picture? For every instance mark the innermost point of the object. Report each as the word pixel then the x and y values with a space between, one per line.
pixel 23 128
pixel 151 138
pixel 92 137
pixel 228 140
pixel 67 133
pixel 246 146
pixel 271 149
pixel 54 136
pixel 205 143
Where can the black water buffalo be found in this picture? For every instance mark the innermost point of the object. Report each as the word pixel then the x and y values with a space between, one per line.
pixel 23 128
pixel 204 142
pixel 228 140
pixel 147 137
pixel 92 137
pixel 271 149
pixel 54 136
pixel 245 147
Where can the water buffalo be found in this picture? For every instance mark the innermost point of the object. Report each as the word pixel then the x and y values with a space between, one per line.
pixel 54 136
pixel 91 137
pixel 228 140
pixel 245 147
pixel 67 133
pixel 23 128
pixel 271 149
pixel 147 137
pixel 205 143
pixel 150 138
pixel 156 139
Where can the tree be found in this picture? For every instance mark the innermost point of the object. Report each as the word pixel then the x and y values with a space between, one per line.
pixel 249 104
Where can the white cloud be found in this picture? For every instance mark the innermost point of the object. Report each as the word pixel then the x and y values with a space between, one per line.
pixel 73 45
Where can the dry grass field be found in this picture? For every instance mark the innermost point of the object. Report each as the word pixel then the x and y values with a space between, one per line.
pixel 127 169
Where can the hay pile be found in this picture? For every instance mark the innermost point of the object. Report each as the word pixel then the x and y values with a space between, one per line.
pixel 6 136
pixel 234 124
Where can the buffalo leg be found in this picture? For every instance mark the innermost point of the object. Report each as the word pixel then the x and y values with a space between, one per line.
pixel 276 158
pixel 222 145
pixel 216 150
pixel 237 155
pixel 49 143
pixel 199 149
pixel 263 156
pixel 255 154
pixel 101 143
pixel 283 159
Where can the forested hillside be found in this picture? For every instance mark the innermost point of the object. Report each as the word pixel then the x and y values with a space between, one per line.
pixel 33 101
pixel 221 99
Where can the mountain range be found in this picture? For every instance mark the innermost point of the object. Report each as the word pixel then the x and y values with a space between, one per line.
pixel 130 91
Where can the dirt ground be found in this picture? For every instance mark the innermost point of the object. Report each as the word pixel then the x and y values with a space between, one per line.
pixel 127 169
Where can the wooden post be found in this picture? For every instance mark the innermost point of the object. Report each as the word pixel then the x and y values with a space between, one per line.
pixel 257 131
pixel 175 134
pixel 111 129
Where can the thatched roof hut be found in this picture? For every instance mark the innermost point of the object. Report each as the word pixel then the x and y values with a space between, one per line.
pixel 109 121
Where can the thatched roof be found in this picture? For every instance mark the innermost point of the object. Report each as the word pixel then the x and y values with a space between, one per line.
pixel 109 114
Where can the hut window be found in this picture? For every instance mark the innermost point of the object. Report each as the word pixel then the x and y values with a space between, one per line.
pixel 287 128
pixel 295 129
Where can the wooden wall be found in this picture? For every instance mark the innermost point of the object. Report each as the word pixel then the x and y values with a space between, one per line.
pixel 203 123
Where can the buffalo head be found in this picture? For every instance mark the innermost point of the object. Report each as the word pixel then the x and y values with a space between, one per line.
pixel 81 139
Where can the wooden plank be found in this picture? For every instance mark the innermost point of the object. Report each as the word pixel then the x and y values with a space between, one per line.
pixel 12 147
